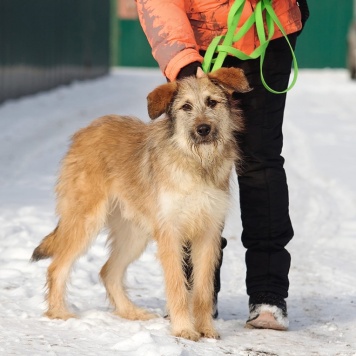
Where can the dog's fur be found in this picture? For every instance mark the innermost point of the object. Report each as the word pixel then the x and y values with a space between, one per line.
pixel 162 180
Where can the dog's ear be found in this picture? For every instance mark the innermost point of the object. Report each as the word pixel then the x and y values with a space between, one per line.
pixel 158 100
pixel 233 79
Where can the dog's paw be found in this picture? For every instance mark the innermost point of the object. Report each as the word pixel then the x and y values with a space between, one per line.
pixel 210 333
pixel 59 314
pixel 188 334
pixel 145 315
pixel 136 314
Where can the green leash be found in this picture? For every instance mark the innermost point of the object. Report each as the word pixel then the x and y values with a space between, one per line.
pixel 223 44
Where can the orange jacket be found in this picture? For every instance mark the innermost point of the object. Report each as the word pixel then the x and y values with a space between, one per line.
pixel 178 29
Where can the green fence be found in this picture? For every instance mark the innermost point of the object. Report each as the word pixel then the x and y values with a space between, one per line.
pixel 45 43
pixel 322 43
pixel 134 49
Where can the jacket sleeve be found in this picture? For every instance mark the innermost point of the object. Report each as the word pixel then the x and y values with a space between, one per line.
pixel 304 10
pixel 169 33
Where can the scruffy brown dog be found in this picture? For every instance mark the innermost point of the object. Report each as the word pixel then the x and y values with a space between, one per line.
pixel 167 180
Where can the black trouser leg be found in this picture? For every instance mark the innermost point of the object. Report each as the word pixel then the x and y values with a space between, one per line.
pixel 188 267
pixel 188 270
pixel 263 186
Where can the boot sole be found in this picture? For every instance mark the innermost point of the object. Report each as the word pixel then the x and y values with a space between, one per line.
pixel 265 320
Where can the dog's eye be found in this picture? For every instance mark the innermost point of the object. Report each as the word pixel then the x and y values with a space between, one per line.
pixel 211 103
pixel 187 107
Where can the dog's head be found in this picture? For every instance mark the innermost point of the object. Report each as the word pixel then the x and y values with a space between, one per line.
pixel 202 108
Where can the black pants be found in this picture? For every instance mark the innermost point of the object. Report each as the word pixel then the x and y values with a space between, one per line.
pixel 263 186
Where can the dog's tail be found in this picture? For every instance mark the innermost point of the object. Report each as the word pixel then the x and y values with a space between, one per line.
pixel 46 248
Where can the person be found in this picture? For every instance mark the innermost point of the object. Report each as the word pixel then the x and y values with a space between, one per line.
pixel 179 32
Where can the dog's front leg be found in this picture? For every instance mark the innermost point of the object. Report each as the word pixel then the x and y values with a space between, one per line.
pixel 171 255
pixel 205 252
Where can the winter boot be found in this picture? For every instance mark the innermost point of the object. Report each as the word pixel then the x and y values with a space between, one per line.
pixel 267 311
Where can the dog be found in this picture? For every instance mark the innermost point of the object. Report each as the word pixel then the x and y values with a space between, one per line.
pixel 166 180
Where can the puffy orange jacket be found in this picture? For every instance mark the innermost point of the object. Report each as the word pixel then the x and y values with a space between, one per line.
pixel 178 29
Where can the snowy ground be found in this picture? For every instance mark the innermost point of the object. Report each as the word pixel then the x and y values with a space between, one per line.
pixel 320 152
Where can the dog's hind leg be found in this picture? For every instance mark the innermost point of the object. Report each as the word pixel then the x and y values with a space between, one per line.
pixel 72 237
pixel 205 252
pixel 127 243
pixel 170 253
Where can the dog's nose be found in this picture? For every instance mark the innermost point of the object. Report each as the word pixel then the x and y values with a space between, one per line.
pixel 203 129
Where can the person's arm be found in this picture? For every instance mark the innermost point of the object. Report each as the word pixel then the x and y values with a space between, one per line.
pixel 304 10
pixel 170 35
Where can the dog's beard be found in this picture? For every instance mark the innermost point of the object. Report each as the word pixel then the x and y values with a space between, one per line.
pixel 206 149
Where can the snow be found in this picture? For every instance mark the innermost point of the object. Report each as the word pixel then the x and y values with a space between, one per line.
pixel 320 152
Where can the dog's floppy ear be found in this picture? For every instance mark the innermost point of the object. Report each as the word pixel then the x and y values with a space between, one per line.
pixel 159 99
pixel 233 79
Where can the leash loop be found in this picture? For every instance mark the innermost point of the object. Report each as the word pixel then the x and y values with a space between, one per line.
pixel 223 45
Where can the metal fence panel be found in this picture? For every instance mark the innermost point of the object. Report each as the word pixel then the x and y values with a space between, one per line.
pixel 323 41
pixel 45 43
